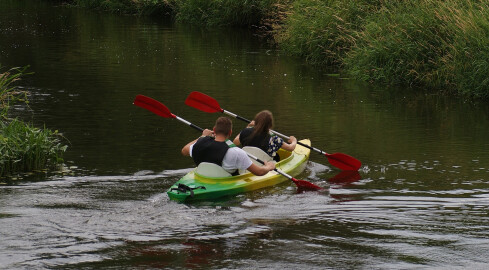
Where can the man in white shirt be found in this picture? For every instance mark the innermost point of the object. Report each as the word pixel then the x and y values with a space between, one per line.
pixel 214 146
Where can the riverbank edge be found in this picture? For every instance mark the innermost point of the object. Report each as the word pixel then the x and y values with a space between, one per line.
pixel 440 45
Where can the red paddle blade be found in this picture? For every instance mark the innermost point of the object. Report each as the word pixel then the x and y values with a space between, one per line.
pixel 344 162
pixel 304 185
pixel 203 102
pixel 153 106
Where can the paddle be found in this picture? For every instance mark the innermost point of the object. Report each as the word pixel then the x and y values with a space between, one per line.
pixel 208 104
pixel 158 108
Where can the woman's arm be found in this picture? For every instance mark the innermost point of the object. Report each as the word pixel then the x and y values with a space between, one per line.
pixel 290 146
pixel 236 141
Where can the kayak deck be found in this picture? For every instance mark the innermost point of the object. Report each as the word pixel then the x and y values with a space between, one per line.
pixel 194 186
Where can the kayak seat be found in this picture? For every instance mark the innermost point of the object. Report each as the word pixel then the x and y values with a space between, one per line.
pixel 257 152
pixel 211 170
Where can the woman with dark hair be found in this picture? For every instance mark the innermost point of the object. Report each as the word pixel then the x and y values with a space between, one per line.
pixel 258 134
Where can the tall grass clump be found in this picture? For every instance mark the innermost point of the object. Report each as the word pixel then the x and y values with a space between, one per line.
pixel 471 51
pixel 323 31
pixel 10 94
pixel 23 147
pixel 438 44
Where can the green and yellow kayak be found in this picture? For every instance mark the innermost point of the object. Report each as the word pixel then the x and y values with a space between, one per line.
pixel 195 186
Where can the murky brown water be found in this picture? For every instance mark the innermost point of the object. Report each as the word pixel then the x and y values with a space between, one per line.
pixel 421 200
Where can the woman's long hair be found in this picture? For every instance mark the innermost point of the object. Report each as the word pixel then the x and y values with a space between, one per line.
pixel 263 123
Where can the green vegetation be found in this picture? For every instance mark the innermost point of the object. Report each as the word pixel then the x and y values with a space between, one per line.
pixel 438 44
pixel 324 32
pixel 23 147
pixel 9 94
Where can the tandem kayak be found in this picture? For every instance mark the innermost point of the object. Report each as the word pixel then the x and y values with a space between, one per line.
pixel 197 186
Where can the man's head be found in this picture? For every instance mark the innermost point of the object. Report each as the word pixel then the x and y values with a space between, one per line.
pixel 223 126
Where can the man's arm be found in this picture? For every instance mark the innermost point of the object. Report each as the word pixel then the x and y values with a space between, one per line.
pixel 186 148
pixel 261 170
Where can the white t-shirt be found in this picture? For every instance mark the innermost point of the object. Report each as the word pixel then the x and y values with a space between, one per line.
pixel 235 158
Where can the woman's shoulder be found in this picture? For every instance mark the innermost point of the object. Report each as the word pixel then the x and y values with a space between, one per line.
pixel 246 131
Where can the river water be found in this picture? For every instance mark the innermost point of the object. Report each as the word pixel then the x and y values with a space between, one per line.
pixel 420 200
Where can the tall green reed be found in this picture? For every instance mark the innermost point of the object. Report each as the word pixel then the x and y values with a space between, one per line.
pixel 323 31
pixel 438 44
pixel 25 148
pixel 431 43
pixel 9 93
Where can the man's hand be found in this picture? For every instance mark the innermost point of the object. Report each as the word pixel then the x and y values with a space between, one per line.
pixel 261 170
pixel 270 165
pixel 208 132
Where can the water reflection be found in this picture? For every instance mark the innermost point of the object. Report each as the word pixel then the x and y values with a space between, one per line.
pixel 345 177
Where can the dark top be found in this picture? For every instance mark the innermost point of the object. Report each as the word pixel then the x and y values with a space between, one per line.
pixel 266 142
pixel 206 149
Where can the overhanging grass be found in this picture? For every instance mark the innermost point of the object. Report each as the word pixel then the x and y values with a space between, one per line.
pixel 430 43
pixel 9 93
pixel 324 31
pixel 439 44
pixel 25 148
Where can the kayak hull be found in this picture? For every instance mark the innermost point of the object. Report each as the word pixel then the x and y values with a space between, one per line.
pixel 292 163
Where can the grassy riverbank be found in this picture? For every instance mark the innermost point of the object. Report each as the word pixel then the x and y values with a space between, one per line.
pixel 437 44
pixel 443 45
pixel 23 147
